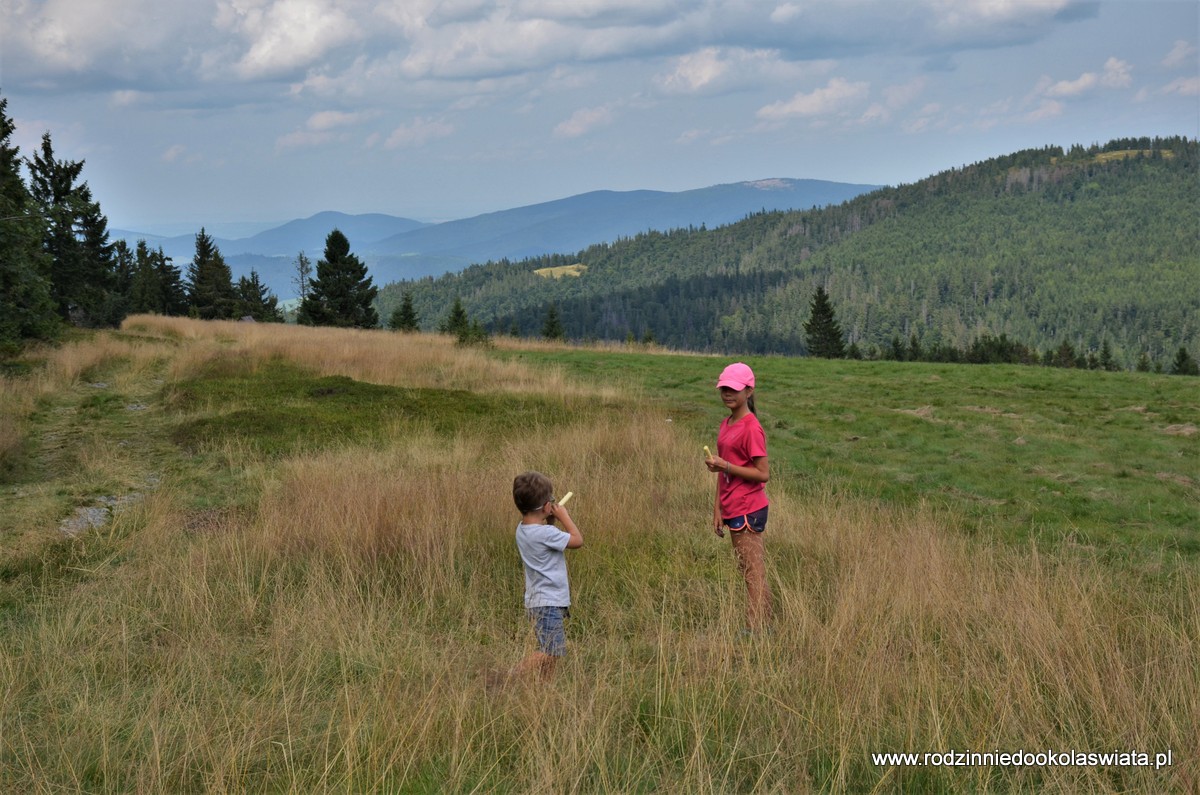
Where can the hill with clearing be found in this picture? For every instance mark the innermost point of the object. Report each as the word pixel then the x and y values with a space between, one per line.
pixel 1086 246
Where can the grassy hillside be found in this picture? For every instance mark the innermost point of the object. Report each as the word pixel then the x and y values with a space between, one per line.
pixel 1046 246
pixel 306 571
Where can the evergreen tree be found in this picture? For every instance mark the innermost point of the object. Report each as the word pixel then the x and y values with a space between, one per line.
pixel 75 237
pixel 170 280
pixel 552 328
pixel 256 301
pixel 1107 362
pixel 456 320
pixel 210 291
pixel 822 331
pixel 473 333
pixel 1063 356
pixel 405 316
pixel 1184 364
pixel 26 306
pixel 342 294
pixel 1143 363
pixel 303 277
pixel 145 293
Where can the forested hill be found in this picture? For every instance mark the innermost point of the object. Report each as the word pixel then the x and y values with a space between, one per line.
pixel 1084 246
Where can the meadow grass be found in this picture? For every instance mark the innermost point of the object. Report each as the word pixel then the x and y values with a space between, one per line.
pixel 315 606
pixel 1101 460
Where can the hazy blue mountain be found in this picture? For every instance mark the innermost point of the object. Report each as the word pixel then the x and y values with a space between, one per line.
pixel 309 234
pixel 573 223
pixel 285 240
pixel 400 248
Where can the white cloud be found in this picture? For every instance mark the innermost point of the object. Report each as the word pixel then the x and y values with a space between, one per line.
pixel 1048 109
pixel 332 119
pixel 125 99
pixel 837 95
pixel 1182 54
pixel 1071 88
pixel 303 139
pixel 173 153
pixel 1117 74
pixel 1184 86
pixel 902 94
pixel 695 71
pixel 420 132
pixel 786 13
pixel 583 121
pixel 284 35
pixel 712 70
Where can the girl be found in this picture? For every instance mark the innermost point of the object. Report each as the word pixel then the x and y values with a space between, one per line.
pixel 742 472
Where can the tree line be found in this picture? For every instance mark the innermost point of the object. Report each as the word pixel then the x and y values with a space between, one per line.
pixel 58 266
pixel 826 339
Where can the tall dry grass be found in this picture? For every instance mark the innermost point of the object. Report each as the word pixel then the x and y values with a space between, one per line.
pixel 64 367
pixel 416 360
pixel 338 636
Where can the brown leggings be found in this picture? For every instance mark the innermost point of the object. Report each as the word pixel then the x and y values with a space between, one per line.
pixel 748 546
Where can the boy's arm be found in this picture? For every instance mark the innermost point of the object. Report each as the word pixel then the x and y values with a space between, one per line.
pixel 568 524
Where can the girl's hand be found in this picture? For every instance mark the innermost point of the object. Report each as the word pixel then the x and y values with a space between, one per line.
pixel 716 464
pixel 718 528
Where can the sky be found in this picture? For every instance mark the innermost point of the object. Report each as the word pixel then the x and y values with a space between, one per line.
pixel 220 112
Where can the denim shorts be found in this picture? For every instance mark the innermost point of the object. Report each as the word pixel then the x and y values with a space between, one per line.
pixel 756 521
pixel 548 626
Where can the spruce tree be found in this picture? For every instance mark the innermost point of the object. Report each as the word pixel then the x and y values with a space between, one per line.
pixel 76 238
pixel 552 328
pixel 1107 361
pixel 210 291
pixel 1184 364
pixel 822 331
pixel 456 321
pixel 256 301
pixel 26 306
pixel 145 293
pixel 405 316
pixel 342 294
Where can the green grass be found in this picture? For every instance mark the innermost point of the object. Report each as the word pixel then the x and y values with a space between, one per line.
pixel 1020 452
pixel 279 409
pixel 311 598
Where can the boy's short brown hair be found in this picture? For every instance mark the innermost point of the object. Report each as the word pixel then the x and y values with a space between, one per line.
pixel 532 490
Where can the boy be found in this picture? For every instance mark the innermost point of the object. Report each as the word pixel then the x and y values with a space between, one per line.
pixel 542 547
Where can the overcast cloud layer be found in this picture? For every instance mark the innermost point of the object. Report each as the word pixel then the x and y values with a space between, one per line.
pixel 210 111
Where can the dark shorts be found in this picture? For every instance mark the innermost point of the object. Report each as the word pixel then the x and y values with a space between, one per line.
pixel 756 521
pixel 548 626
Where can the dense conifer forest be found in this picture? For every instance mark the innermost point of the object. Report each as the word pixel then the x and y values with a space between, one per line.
pixel 1095 248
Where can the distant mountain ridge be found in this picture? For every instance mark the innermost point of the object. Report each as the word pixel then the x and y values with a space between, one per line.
pixel 1089 246
pixel 397 248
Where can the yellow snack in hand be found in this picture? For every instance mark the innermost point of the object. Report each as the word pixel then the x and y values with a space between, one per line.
pixel 707 452
pixel 566 497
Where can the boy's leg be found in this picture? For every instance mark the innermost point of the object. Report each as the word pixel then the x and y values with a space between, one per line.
pixel 748 546
pixel 551 638
pixel 537 663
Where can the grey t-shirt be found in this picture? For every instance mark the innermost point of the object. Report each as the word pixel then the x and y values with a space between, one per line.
pixel 542 551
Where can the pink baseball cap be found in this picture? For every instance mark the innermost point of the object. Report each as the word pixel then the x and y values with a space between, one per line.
pixel 736 376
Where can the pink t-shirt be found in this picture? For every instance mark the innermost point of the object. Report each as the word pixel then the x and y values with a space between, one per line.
pixel 739 444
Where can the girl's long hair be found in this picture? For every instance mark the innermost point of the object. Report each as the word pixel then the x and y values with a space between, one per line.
pixel 750 404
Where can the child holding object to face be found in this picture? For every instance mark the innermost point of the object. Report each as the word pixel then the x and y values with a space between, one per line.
pixel 543 547
pixel 741 499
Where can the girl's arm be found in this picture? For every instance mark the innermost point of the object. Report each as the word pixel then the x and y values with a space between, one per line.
pixel 717 528
pixel 758 472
